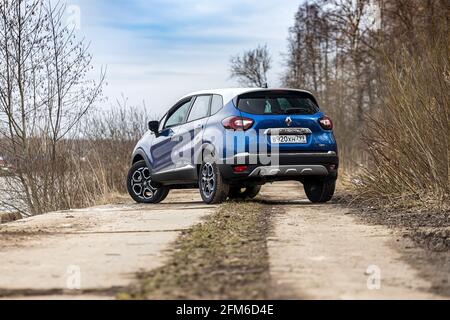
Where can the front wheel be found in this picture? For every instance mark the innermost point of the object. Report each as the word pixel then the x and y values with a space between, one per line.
pixel 140 185
pixel 320 191
pixel 212 187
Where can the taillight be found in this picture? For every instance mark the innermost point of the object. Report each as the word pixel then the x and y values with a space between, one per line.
pixel 237 123
pixel 326 123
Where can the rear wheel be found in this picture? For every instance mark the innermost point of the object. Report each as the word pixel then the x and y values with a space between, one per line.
pixel 244 193
pixel 320 191
pixel 140 185
pixel 212 187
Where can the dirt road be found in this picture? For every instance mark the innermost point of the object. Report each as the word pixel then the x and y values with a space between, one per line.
pixel 324 252
pixel 97 250
pixel 315 251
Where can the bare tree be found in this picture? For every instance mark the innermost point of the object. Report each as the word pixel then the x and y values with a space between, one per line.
pixel 44 93
pixel 308 51
pixel 110 138
pixel 331 52
pixel 354 22
pixel 250 68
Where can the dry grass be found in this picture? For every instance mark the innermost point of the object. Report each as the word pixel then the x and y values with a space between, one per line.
pixel 223 258
pixel 89 168
pixel 6 217
pixel 409 139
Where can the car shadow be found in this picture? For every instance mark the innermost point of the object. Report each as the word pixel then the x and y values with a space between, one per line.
pixel 183 203
pixel 300 203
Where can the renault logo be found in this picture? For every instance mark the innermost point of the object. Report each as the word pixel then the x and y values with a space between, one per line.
pixel 289 121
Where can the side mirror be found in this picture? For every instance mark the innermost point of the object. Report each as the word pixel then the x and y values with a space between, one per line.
pixel 154 126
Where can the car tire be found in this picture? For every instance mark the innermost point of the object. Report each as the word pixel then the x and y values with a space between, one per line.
pixel 248 193
pixel 213 189
pixel 139 185
pixel 320 191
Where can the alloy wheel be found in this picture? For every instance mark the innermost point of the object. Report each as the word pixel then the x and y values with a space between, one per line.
pixel 208 183
pixel 141 184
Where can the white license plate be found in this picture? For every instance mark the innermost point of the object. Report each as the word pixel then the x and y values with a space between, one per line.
pixel 301 139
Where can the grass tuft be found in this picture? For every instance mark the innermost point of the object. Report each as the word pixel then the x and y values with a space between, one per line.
pixel 224 257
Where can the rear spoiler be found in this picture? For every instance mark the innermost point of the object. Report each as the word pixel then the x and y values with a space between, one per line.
pixel 261 92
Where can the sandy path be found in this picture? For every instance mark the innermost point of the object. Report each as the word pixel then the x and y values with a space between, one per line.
pixel 97 249
pixel 322 252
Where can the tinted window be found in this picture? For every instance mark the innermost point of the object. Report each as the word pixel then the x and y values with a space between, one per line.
pixel 200 109
pixel 216 104
pixel 178 116
pixel 267 102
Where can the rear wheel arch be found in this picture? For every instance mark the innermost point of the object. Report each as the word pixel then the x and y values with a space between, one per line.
pixel 207 149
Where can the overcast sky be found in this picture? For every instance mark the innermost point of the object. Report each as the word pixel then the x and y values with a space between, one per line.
pixel 159 50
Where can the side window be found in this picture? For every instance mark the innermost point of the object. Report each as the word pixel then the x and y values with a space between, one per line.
pixel 200 109
pixel 216 104
pixel 178 116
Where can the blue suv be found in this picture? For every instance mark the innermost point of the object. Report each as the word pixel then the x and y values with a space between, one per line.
pixel 230 142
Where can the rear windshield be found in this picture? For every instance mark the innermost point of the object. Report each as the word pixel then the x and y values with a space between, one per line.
pixel 287 102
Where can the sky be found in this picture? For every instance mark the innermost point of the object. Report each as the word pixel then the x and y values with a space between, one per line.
pixel 159 50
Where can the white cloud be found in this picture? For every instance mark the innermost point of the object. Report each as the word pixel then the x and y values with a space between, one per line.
pixel 160 50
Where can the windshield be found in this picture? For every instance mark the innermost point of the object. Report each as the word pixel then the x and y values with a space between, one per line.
pixel 288 102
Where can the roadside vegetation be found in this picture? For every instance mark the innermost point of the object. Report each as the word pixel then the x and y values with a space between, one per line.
pixel 225 257
pixel 59 150
pixel 381 70
pixel 409 139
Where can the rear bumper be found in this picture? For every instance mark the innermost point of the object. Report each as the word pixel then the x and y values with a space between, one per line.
pixel 287 166
pixel 287 171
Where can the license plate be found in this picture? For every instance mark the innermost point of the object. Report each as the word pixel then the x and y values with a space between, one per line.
pixel 301 139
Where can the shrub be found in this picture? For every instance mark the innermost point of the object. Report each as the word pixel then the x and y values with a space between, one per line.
pixel 409 138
